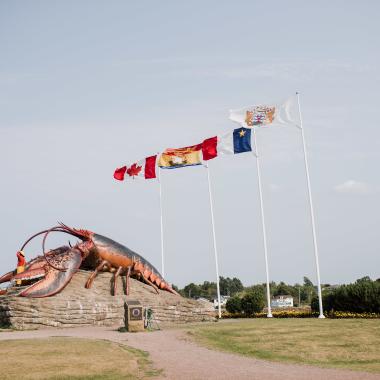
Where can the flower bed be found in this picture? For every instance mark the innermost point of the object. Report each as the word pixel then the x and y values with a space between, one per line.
pixel 349 314
pixel 304 314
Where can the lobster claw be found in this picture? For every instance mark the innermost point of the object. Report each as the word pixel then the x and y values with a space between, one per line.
pixel 6 277
pixel 53 280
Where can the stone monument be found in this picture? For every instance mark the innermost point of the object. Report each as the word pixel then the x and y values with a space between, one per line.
pixel 77 306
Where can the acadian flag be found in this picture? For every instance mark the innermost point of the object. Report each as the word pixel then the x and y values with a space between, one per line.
pixel 181 157
pixel 145 168
pixel 237 141
pixel 260 115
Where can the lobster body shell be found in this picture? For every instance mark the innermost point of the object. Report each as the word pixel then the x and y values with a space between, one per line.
pixel 118 254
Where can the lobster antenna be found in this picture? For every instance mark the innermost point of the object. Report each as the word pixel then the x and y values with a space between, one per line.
pixel 57 228
pixel 60 228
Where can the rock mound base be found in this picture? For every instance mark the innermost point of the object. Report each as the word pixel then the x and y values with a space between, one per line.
pixel 77 306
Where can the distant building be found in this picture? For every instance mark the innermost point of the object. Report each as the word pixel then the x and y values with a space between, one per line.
pixel 282 301
pixel 223 301
pixel 202 299
pixel 330 288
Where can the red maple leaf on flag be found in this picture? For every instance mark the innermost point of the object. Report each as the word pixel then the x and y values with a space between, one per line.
pixel 134 170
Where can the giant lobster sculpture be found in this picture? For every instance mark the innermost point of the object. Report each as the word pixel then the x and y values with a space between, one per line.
pixel 55 268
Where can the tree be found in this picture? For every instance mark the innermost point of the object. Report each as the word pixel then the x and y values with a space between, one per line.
pixel 283 289
pixel 307 282
pixel 233 305
pixel 263 288
pixel 308 290
pixel 253 301
pixel 223 286
pixel 208 289
pixel 230 287
pixel 236 286
pixel 361 296
pixel 191 290
pixel 364 279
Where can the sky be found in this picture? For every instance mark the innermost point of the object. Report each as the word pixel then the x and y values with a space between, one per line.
pixel 88 86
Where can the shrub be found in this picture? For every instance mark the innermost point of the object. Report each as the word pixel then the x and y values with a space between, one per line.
pixel 361 297
pixel 253 301
pixel 233 305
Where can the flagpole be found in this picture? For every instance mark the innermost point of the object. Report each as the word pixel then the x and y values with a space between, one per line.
pixel 311 212
pixel 214 240
pixel 162 226
pixel 269 313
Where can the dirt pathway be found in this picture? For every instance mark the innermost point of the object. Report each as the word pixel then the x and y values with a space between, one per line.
pixel 180 358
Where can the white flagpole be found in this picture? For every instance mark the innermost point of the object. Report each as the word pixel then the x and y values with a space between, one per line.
pixel 311 212
pixel 269 313
pixel 214 240
pixel 162 226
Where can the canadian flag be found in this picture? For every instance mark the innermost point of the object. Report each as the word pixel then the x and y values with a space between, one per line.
pixel 145 168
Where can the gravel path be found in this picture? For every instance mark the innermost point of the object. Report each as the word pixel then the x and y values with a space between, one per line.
pixel 180 358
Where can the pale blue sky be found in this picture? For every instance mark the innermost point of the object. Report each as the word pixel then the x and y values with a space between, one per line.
pixel 90 85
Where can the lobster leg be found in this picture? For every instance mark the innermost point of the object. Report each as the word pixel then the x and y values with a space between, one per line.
pixel 117 273
pixel 150 283
pixel 93 275
pixel 127 281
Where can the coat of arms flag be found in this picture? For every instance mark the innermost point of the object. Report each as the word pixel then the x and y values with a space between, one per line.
pixel 260 115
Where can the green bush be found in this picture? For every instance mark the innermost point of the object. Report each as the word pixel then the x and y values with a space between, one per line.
pixel 233 305
pixel 361 297
pixel 253 301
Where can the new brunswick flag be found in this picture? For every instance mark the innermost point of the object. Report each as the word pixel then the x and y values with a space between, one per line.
pixel 181 157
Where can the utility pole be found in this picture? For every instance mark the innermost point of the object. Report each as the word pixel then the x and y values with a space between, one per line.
pixel 299 296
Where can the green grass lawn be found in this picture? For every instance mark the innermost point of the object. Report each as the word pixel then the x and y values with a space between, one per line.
pixel 71 358
pixel 350 343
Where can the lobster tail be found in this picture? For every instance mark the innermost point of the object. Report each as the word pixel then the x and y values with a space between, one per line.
pixel 165 286
pixel 153 276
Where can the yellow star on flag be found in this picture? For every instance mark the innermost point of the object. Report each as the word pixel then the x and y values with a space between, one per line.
pixel 242 133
